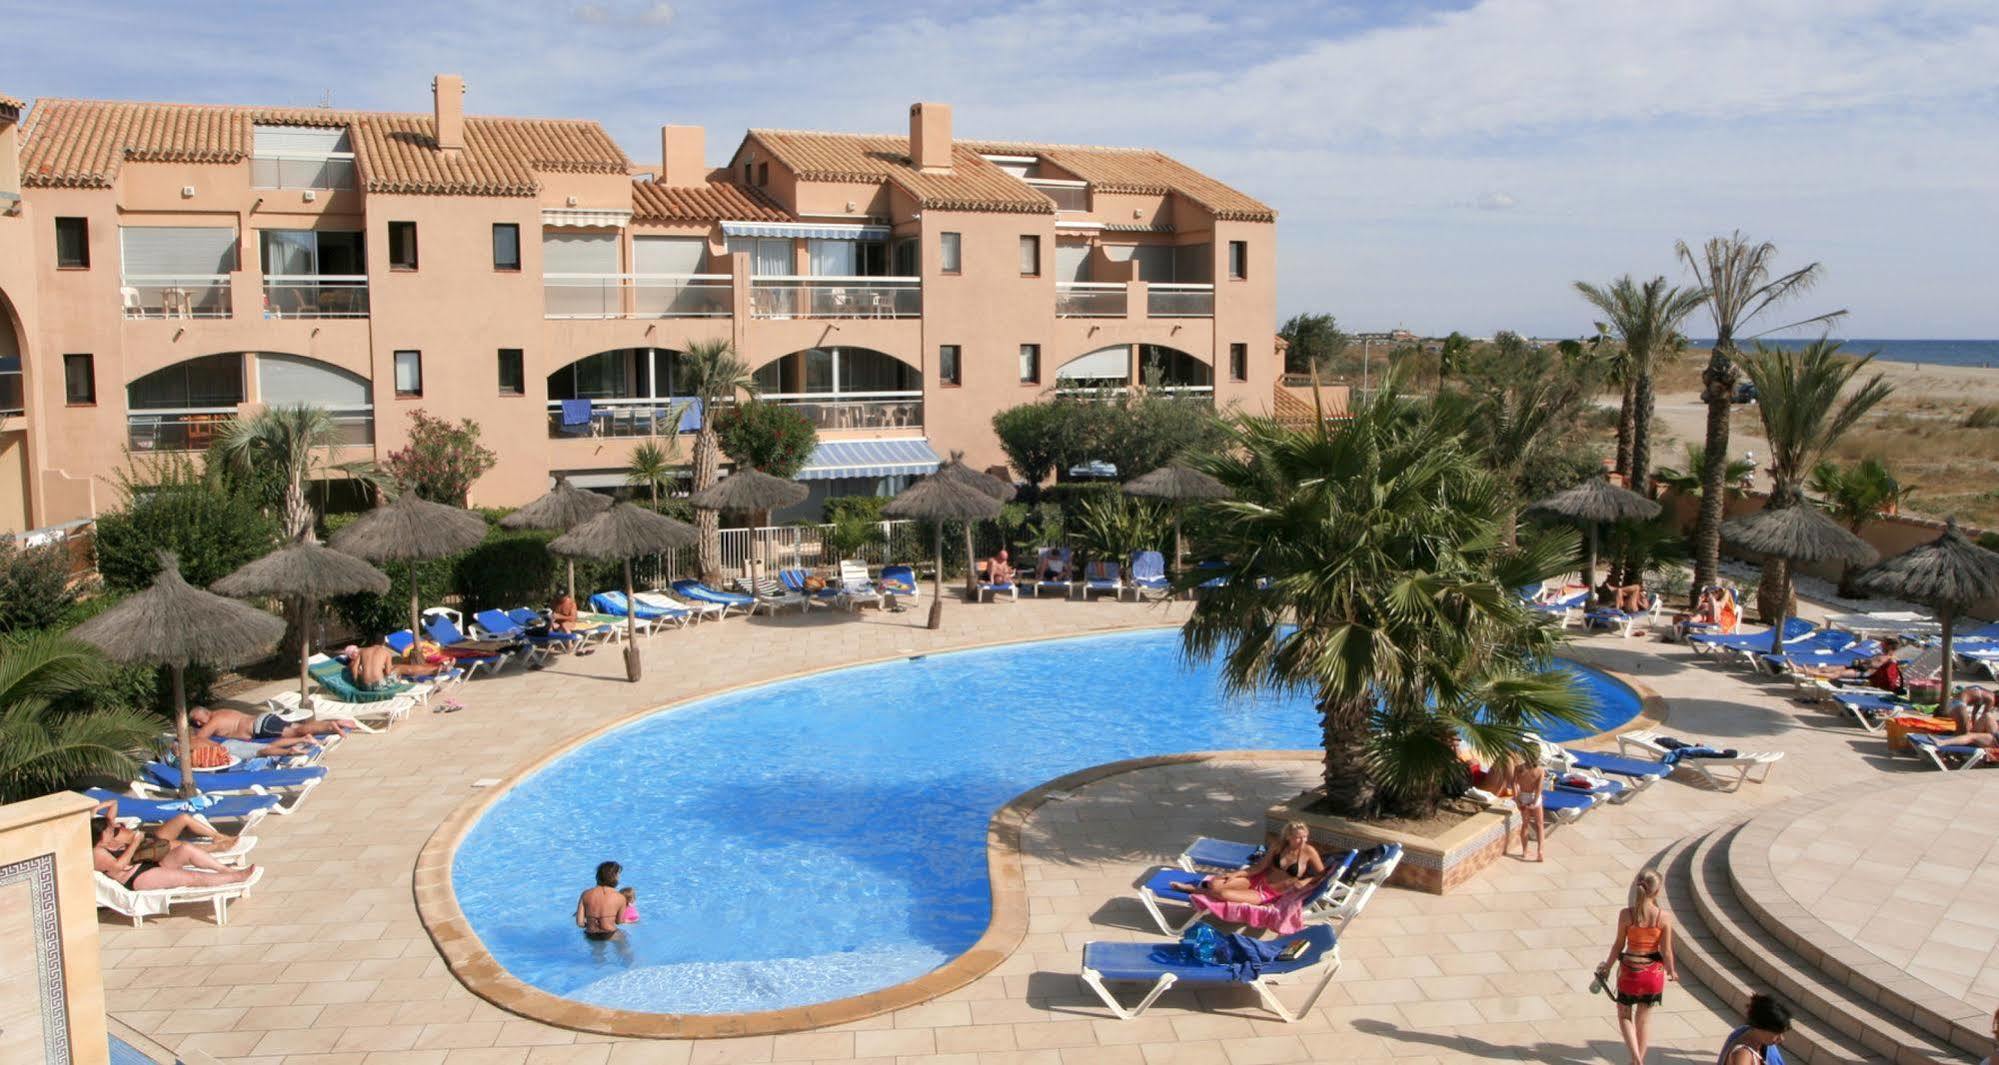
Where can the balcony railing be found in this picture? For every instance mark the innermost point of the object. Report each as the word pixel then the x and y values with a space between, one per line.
pixel 1068 195
pixel 660 416
pixel 315 296
pixel 1181 301
pixel 1090 299
pixel 836 297
pixel 306 171
pixel 155 296
pixel 195 428
pixel 1107 393
pixel 635 295
pixel 10 394
pixel 854 410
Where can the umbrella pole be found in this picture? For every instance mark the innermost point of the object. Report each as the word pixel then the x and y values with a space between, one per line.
pixel 631 628
pixel 1179 547
pixel 1943 694
pixel 304 652
pixel 572 580
pixel 1777 630
pixel 937 584
pixel 1589 565
pixel 181 737
pixel 971 567
pixel 416 633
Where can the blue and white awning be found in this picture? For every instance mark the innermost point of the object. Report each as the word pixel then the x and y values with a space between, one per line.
pixel 808 230
pixel 869 458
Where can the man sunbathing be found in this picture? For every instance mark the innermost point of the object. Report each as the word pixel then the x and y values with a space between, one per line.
pixel 373 667
pixel 266 728
pixel 562 616
pixel 998 569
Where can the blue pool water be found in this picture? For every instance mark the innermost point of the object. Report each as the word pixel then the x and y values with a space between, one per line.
pixel 825 837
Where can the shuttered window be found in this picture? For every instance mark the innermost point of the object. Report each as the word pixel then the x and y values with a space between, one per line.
pixel 567 252
pixel 668 255
pixel 288 379
pixel 186 252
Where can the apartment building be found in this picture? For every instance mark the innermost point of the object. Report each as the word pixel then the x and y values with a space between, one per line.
pixel 166 267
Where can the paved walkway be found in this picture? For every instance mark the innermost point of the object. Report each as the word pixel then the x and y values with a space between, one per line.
pixel 328 964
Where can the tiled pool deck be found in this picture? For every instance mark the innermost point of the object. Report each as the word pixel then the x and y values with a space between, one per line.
pixel 328 963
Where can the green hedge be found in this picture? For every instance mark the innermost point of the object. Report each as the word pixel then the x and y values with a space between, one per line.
pixel 213 531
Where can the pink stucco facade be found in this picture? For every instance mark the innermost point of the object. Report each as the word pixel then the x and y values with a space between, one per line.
pixel 1128 220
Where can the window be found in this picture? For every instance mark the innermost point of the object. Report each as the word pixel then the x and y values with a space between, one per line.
pixel 409 373
pixel 1238 260
pixel 749 172
pixel 506 246
pixel 950 370
pixel 950 253
pixel 1030 364
pixel 1238 362
pixel 1030 256
pixel 72 243
pixel 763 173
pixel 301 157
pixel 402 245
pixel 513 380
pixel 79 380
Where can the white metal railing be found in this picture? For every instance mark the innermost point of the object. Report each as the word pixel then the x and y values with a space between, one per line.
pixel 636 295
pixel 854 410
pixel 792 296
pixel 643 416
pixel 315 295
pixel 195 428
pixel 781 547
pixel 162 296
pixel 1068 195
pixel 11 399
pixel 302 170
pixel 1199 393
pixel 1090 299
pixel 1180 301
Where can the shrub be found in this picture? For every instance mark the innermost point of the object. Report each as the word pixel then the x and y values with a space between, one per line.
pixel 507 570
pixel 1034 437
pixel 1137 434
pixel 766 436
pixel 35 592
pixel 1112 526
pixel 868 507
pixel 441 460
pixel 849 535
pixel 1985 417
pixel 372 615
pixel 171 506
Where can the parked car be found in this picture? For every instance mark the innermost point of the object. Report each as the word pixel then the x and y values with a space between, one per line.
pixel 1745 392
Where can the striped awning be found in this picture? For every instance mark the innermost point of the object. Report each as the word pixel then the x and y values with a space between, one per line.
pixel 869 458
pixel 808 230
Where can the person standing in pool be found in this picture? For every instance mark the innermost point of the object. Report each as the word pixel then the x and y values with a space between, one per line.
pixel 601 909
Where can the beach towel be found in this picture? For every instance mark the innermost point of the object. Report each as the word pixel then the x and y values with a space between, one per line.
pixel 575 412
pixel 1284 916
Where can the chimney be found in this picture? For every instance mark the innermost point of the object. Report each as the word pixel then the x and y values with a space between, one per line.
pixel 449 91
pixel 930 137
pixel 683 155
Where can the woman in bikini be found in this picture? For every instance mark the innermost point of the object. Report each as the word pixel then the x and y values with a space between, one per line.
pixel 1290 863
pixel 1523 781
pixel 1762 1032
pixel 117 852
pixel 1642 951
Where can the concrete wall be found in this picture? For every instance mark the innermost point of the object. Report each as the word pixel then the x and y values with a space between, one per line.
pixel 52 985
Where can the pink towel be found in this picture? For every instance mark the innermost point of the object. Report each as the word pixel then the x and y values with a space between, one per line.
pixel 1285 916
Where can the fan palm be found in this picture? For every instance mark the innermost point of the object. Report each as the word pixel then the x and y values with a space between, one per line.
pixel 1686 477
pixel 1362 565
pixel 1511 424
pixel 44 746
pixel 1855 495
pixel 1647 319
pixel 653 466
pixel 1736 275
pixel 291 441
pixel 1806 407
pixel 712 374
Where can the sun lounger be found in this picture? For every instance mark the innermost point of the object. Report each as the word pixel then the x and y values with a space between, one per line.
pixel 495 625
pixel 443 631
pixel 583 635
pixel 532 628
pixel 1166 965
pixel 465 659
pixel 139 905
pixel 900 585
pixel 238 781
pixel 771 596
pixel 696 592
pixel 1870 708
pixel 1626 623
pixel 1594 785
pixel 332 677
pixel 611 627
pixel 247 810
pixel 795 581
pixel 1712 769
pixel 1941 756
pixel 1292 910
pixel 1053 571
pixel 1148 576
pixel 696 611
pixel 164 783
pixel 1207 852
pixel 1101 578
pixel 857 589
pixel 1640 773
pixel 1794 629
pixel 613 603
pixel 1568 608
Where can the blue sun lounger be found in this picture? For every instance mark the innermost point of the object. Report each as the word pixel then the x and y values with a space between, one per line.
pixel 613 603
pixel 1641 773
pixel 700 593
pixel 245 808
pixel 227 781
pixel 1565 805
pixel 1871 708
pixel 1166 965
pixel 1927 746
pixel 399 642
pixel 1148 576
pixel 1795 629
pixel 1206 852
pixel 1156 886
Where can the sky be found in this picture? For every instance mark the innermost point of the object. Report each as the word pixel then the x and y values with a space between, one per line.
pixel 1434 165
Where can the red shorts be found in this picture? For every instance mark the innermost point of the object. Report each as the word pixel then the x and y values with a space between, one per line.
pixel 1641 987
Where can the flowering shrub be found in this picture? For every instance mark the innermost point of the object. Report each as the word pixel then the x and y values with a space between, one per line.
pixel 442 460
pixel 769 437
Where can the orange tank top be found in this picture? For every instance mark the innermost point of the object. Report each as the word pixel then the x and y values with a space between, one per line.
pixel 1638 939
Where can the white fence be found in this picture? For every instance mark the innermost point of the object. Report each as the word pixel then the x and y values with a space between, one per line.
pixel 780 547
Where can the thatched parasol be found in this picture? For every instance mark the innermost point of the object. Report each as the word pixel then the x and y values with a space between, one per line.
pixel 1949 573
pixel 304 574
pixel 954 469
pixel 938 499
pixel 410 529
pixel 559 509
pixel 176 625
pixel 752 491
pixel 1177 485
pixel 1796 533
pixel 1593 503
pixel 625 532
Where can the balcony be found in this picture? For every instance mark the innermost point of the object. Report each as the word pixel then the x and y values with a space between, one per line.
pixel 1068 195
pixel 278 170
pixel 836 297
pixel 854 410
pixel 615 418
pixel 1180 301
pixel 1090 299
pixel 11 399
pixel 153 296
pixel 635 295
pixel 315 296
pixel 195 428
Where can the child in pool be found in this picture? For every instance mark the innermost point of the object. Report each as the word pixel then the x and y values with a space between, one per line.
pixel 631 915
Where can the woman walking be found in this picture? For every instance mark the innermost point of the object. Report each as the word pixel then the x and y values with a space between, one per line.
pixel 1642 951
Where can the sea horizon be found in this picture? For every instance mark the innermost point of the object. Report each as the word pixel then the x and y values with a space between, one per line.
pixel 1976 353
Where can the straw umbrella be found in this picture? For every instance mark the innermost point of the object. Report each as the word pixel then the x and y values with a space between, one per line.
pixel 750 490
pixel 304 574
pixel 625 532
pixel 559 509
pixel 411 529
pixel 1797 534
pixel 1177 485
pixel 1592 503
pixel 176 625
pixel 937 499
pixel 1950 573
pixel 956 470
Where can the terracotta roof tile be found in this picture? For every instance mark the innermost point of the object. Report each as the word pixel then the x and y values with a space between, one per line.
pixel 8 103
pixel 1141 171
pixel 973 184
pixel 710 202
pixel 82 143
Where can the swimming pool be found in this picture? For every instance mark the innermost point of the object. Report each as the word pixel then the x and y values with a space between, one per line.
pixel 818 838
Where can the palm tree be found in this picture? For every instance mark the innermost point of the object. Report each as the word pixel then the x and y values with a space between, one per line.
pixel 289 441
pixel 1451 355
pixel 1736 276
pixel 1806 408
pixel 45 746
pixel 654 466
pixel 1686 477
pixel 1647 319
pixel 1510 424
pixel 711 374
pixel 1362 566
pixel 1855 495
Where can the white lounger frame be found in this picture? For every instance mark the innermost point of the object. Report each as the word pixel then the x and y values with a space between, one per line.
pixel 1263 987
pixel 1752 768
pixel 139 905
